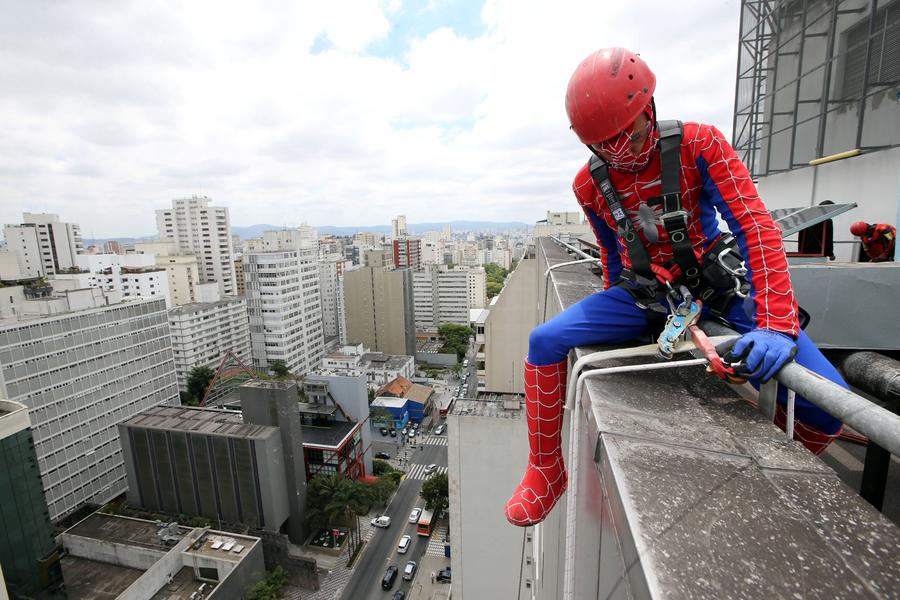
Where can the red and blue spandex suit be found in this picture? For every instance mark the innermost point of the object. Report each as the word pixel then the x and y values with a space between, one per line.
pixel 714 184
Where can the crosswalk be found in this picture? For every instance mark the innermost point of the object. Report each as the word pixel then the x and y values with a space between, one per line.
pixel 417 471
pixel 435 440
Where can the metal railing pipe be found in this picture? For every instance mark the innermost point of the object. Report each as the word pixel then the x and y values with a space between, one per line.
pixel 879 425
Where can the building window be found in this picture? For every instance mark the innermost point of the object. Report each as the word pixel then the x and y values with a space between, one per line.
pixel 884 52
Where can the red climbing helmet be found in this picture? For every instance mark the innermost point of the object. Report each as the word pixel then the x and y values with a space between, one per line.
pixel 607 92
pixel 859 229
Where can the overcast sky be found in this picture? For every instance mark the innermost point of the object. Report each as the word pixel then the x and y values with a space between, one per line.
pixel 332 112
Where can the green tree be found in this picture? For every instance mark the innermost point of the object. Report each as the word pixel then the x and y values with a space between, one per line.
pixel 493 288
pixel 270 587
pixel 279 369
pixel 381 415
pixel 198 381
pixel 456 339
pixel 380 467
pixel 436 493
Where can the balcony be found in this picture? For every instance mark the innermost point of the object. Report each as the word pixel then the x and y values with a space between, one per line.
pixel 679 488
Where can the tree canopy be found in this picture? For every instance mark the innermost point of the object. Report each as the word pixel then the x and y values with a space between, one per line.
pixel 456 339
pixel 198 381
pixel 279 369
pixel 496 275
pixel 436 493
pixel 333 497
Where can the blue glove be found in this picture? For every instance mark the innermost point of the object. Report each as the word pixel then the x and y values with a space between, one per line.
pixel 764 352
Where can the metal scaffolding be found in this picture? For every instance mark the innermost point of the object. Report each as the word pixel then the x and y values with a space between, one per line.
pixel 804 67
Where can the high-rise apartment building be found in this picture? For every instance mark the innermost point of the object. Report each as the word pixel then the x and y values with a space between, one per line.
pixel 379 309
pixel 398 227
pixel 443 295
pixel 45 245
pixel 204 231
pixel 408 253
pixel 27 544
pixel 82 364
pixel 203 332
pixel 239 281
pixel 331 274
pixel 284 305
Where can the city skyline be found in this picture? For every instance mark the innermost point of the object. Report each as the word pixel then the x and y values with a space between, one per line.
pixel 440 111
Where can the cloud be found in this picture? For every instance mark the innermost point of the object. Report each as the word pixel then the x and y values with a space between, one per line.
pixel 337 113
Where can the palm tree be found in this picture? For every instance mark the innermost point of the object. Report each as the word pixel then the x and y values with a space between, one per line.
pixel 348 500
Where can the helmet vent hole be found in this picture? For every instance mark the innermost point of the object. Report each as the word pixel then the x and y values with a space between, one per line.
pixel 631 77
pixel 630 96
pixel 645 90
pixel 631 59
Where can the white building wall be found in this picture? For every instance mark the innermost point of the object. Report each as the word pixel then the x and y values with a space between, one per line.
pixel 331 268
pixel 22 241
pixel 80 373
pixel 284 308
pixel 202 333
pixel 204 231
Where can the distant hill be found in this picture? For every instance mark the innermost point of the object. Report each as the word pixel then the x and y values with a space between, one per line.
pixel 252 231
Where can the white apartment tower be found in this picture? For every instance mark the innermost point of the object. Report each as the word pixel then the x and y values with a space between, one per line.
pixel 44 245
pixel 442 295
pixel 284 304
pixel 202 230
pixel 203 332
pixel 81 364
pixel 331 272
pixel 398 227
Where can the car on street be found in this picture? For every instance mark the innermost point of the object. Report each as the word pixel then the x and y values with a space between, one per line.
pixel 409 570
pixel 415 514
pixel 383 431
pixel 440 429
pixel 390 576
pixel 382 521
pixel 393 432
pixel 412 433
pixel 382 455
pixel 405 431
pixel 403 545
pixel 399 595
pixel 443 575
pixel 466 363
pixel 430 469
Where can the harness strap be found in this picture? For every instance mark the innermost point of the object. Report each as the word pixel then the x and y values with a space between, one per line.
pixel 674 217
pixel 640 259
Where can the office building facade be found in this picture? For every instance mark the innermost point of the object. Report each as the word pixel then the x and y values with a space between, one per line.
pixel 443 295
pixel 80 371
pixel 379 309
pixel 27 545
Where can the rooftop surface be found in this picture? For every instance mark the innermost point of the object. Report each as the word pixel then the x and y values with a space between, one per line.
pixel 506 406
pixel 198 420
pixel 122 530
pixel 92 580
pixel 193 307
pixel 327 436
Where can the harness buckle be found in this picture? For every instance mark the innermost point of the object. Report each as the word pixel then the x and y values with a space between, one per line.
pixel 680 218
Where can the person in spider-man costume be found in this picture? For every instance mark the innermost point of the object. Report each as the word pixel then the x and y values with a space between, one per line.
pixel 610 106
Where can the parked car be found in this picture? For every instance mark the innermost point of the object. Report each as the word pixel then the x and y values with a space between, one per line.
pixel 390 575
pixel 409 570
pixel 382 455
pixel 405 430
pixel 440 429
pixel 399 595
pixel 412 433
pixel 444 575
pixel 392 432
pixel 382 521
pixel 466 363
pixel 415 514
pixel 383 431
pixel 403 546
pixel 430 469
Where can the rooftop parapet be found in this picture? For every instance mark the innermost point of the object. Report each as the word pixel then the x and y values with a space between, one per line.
pixel 684 490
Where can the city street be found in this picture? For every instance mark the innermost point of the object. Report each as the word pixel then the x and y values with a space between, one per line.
pixel 381 550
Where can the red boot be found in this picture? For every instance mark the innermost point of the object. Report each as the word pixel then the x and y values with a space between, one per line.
pixel 545 478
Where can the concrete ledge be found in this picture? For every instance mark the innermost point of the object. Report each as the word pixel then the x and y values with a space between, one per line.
pixel 685 491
